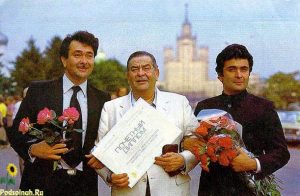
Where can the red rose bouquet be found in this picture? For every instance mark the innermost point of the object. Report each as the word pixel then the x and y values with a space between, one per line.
pixel 49 127
pixel 222 140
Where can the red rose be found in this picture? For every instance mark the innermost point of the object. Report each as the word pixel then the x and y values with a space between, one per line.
pixel 223 159
pixel 202 130
pixel 213 158
pixel 210 150
pixel 231 153
pixel 70 114
pixel 44 116
pixel 225 142
pixel 24 125
pixel 204 162
pixel 213 140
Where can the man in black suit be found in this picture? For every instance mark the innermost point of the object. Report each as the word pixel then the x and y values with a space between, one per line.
pixel 262 130
pixel 73 177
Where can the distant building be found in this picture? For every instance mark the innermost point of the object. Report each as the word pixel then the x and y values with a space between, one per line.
pixel 101 56
pixel 186 69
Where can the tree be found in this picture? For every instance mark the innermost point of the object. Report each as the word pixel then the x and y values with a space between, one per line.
pixel 29 66
pixel 109 75
pixel 54 66
pixel 3 80
pixel 283 89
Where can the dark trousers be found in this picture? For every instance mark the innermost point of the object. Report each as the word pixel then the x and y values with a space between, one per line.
pixel 63 184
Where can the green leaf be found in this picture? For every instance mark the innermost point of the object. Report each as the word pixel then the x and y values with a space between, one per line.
pixel 55 165
pixel 202 150
pixel 35 132
pixel 79 130
pixel 53 114
pixel 50 140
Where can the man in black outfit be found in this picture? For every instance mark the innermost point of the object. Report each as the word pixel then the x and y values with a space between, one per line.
pixel 73 176
pixel 262 130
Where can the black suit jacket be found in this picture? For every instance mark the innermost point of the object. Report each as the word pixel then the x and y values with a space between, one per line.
pixel 262 135
pixel 41 94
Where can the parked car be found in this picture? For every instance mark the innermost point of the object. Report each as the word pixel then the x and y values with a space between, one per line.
pixel 290 121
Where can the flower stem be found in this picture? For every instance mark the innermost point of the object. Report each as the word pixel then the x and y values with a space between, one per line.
pixel 53 123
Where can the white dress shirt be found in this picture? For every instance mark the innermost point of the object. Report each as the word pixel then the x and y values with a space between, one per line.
pixel 82 99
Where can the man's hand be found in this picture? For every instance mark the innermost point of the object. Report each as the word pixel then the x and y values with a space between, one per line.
pixel 43 150
pixel 120 180
pixel 170 161
pixel 94 162
pixel 190 143
pixel 243 163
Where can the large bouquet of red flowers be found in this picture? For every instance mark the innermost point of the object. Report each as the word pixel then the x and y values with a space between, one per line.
pixel 223 142
pixel 220 134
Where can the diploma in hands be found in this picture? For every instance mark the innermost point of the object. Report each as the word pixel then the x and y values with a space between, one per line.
pixel 131 145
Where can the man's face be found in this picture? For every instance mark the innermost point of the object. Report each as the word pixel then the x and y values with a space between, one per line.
pixel 80 62
pixel 235 76
pixel 142 75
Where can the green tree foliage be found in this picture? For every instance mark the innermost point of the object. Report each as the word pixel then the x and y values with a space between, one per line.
pixel 32 64
pixel 53 63
pixel 29 66
pixel 3 80
pixel 109 75
pixel 283 89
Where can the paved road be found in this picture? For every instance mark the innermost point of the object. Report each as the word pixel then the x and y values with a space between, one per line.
pixel 289 175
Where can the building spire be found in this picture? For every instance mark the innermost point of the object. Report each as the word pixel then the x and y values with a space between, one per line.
pixel 186 21
pixel 186 26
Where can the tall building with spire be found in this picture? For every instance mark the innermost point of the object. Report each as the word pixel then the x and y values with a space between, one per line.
pixel 186 69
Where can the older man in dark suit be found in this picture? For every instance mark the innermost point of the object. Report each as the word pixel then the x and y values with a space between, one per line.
pixel 73 176
pixel 262 131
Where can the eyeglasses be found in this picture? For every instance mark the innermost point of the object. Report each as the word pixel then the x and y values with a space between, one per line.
pixel 145 68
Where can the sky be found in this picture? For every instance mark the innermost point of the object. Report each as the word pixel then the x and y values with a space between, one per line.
pixel 270 29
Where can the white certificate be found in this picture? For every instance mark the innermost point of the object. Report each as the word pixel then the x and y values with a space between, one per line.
pixel 131 145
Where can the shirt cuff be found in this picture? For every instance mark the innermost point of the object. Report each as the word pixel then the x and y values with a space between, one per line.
pixel 258 166
pixel 29 153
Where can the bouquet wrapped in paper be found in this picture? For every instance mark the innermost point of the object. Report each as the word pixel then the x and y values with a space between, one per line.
pixel 222 139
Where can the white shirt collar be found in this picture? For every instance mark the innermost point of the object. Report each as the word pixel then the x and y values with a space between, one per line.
pixel 133 100
pixel 68 84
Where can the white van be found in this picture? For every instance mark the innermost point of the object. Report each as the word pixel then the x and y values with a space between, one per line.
pixel 290 121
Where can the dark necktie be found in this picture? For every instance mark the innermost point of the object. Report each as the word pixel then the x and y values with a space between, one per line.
pixel 73 158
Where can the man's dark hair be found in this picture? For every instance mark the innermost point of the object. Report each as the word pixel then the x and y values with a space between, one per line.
pixel 142 53
pixel 82 37
pixel 234 51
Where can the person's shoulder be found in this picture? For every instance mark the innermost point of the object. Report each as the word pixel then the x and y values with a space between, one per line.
pixel 259 101
pixel 171 95
pixel 99 93
pixel 208 103
pixel 210 99
pixel 118 101
pixel 43 84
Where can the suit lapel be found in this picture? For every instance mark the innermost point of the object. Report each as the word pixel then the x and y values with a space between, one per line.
pixel 92 117
pixel 57 93
pixel 161 102
pixel 125 105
